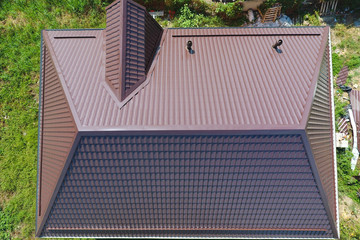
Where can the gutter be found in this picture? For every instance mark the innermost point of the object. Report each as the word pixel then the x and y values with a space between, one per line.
pixel 355 150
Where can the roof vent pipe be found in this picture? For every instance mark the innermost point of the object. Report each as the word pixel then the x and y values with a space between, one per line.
pixel 189 47
pixel 276 45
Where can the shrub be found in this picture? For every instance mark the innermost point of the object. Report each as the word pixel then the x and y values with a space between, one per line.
pixel 313 19
pixel 337 63
pixel 339 105
pixel 229 11
pixel 347 184
pixel 188 19
pixel 176 4
pixel 354 62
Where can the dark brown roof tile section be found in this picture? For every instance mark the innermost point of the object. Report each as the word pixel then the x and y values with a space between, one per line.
pixel 261 183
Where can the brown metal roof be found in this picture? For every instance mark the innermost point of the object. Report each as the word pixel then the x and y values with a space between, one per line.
pixel 129 46
pixel 234 80
pixel 355 104
pixel 57 133
pixel 342 76
pixel 320 133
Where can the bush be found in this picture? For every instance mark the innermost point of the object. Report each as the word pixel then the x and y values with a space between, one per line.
pixel 337 63
pixel 313 19
pixel 176 4
pixel 354 62
pixel 339 105
pixel 347 184
pixel 188 19
pixel 199 6
pixel 229 11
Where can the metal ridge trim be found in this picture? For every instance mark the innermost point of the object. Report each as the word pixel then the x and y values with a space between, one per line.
pixel 249 35
pixel 192 132
pixel 38 140
pixel 242 127
pixel 122 58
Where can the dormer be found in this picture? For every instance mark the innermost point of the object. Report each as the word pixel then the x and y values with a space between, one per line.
pixel 132 38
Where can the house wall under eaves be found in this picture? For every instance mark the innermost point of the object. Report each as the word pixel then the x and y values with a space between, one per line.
pixel 206 185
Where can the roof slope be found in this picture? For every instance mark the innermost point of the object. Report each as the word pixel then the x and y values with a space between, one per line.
pixel 234 80
pixel 235 185
pixel 320 133
pixel 57 133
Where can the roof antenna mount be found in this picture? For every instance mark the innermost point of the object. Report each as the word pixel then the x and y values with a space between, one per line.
pixel 276 45
pixel 189 47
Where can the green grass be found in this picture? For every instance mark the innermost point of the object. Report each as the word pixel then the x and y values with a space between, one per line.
pixel 21 23
pixel 346 51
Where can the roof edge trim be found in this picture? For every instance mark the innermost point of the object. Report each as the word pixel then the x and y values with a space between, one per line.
pixel 333 132
pixel 62 80
pixel 58 184
pixel 265 238
pixel 39 120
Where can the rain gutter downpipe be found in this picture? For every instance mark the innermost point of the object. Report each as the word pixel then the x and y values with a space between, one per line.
pixel 355 150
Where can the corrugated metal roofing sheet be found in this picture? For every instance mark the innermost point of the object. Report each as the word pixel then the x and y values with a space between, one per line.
pixel 320 133
pixel 58 132
pixel 343 126
pixel 234 80
pixel 224 183
pixel 342 76
pixel 355 104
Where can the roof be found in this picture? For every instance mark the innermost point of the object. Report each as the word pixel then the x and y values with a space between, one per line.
pixel 234 80
pixel 129 115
